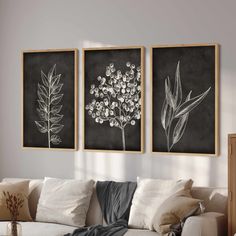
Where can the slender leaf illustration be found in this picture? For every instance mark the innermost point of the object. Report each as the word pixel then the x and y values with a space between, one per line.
pixel 117 98
pixel 175 113
pixel 49 107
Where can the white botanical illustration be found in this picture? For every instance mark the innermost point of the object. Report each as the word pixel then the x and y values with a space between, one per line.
pixel 117 98
pixel 175 111
pixel 49 108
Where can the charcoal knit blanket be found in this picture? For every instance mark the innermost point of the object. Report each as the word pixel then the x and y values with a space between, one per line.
pixel 115 200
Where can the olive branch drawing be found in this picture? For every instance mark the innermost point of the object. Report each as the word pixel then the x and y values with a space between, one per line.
pixel 173 109
pixel 49 108
pixel 118 98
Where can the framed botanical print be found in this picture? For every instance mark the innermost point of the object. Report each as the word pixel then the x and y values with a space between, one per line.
pixel 49 99
pixel 113 99
pixel 184 81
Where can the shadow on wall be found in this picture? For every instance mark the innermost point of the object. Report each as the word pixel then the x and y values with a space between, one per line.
pixel 205 171
pixel 120 167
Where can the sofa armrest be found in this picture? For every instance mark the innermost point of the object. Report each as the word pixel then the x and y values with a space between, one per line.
pixel 206 224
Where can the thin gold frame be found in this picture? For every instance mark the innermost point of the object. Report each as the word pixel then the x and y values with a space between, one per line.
pixel 75 98
pixel 142 97
pixel 217 149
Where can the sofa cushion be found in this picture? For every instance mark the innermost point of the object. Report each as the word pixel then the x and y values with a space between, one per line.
pixel 52 229
pixel 64 201
pixel 215 199
pixel 40 229
pixel 94 215
pixel 206 224
pixel 141 232
pixel 21 190
pixel 149 195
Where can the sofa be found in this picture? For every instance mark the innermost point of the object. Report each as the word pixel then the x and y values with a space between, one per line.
pixel 213 222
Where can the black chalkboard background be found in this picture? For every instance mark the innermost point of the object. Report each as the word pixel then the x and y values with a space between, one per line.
pixel 197 73
pixel 102 136
pixel 34 62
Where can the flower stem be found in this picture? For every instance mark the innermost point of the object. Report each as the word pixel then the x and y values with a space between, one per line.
pixel 49 101
pixel 168 141
pixel 49 136
pixel 168 135
pixel 49 144
pixel 123 138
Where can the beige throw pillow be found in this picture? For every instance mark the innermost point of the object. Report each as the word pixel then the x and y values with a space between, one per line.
pixel 64 201
pixel 149 195
pixel 35 186
pixel 22 190
pixel 173 210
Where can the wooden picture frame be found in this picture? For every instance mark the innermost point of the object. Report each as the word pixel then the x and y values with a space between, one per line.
pixel 177 128
pixel 102 127
pixel 231 184
pixel 50 99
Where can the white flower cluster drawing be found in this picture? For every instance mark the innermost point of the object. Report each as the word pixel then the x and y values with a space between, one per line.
pixel 49 108
pixel 174 109
pixel 117 98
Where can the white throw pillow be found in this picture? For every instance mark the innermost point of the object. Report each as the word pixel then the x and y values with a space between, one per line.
pixel 64 201
pixel 149 195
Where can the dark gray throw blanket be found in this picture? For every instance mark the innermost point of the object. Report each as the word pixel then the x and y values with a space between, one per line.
pixel 115 200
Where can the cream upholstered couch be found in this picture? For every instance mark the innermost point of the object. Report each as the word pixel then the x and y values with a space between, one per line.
pixel 212 223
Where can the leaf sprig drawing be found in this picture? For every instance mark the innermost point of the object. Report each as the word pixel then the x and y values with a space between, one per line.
pixel 117 98
pixel 175 111
pixel 49 108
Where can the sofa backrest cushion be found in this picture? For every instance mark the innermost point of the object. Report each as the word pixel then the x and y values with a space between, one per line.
pixel 94 215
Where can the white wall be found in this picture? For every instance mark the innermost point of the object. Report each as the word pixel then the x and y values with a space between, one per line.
pixel 42 24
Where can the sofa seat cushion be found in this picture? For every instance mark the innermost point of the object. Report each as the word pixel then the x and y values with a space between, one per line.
pixel 51 229
pixel 141 232
pixel 39 229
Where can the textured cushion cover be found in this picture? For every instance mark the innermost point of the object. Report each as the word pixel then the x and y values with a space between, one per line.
pixel 173 210
pixel 149 195
pixel 64 201
pixel 21 188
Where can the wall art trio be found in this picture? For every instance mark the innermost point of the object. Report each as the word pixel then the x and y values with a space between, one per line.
pixel 184 95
